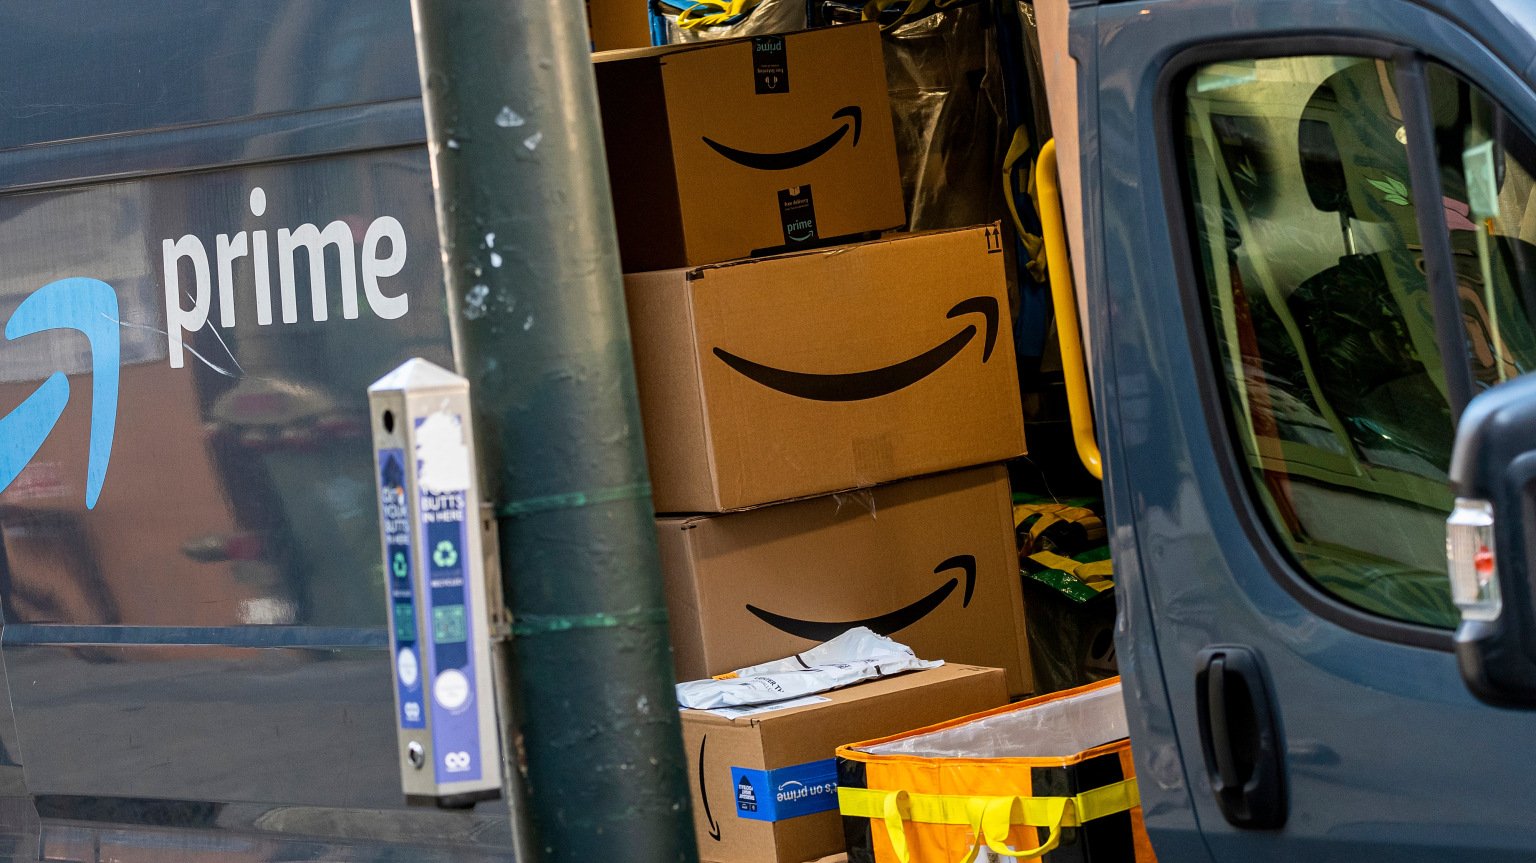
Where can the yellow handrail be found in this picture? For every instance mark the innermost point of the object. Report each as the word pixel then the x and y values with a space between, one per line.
pixel 1064 299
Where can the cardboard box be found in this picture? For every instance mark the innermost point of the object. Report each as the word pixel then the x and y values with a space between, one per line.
pixel 765 785
pixel 723 149
pixel 804 374
pixel 930 562
pixel 618 24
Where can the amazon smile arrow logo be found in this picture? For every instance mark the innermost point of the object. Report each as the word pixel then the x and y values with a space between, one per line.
pixel 885 624
pixel 856 386
pixel 714 826
pixel 853 117
pixel 87 306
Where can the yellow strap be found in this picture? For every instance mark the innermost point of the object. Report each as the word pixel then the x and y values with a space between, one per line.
pixel 951 808
pixel 1032 508
pixel 1092 525
pixel 891 808
pixel 1091 574
pixel 1066 512
pixel 997 821
pixel 990 818
pixel 1034 245
pixel 1050 513
pixel 1041 525
pixel 1022 512
pixel 1095 572
pixel 1107 800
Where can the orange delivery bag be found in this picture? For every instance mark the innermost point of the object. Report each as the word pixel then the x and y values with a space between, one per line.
pixel 1048 779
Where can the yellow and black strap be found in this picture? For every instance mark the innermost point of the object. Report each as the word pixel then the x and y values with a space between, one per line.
pixel 991 819
pixel 1056 527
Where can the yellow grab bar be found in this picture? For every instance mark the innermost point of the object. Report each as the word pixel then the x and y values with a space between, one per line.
pixel 1064 299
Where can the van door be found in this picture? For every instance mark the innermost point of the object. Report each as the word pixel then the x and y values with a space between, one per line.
pixel 1312 239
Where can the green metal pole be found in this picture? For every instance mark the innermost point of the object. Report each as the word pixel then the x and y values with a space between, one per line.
pixel 536 299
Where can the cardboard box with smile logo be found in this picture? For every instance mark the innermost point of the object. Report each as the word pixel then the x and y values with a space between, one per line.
pixel 809 373
pixel 724 149
pixel 765 783
pixel 930 562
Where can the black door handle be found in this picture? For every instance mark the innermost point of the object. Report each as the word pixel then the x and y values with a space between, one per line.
pixel 1240 737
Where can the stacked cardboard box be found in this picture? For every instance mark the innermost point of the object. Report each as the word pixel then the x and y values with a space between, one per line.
pixel 721 150
pixel 824 409
pixel 846 373
pixel 764 782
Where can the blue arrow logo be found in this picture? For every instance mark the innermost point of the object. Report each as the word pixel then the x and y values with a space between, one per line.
pixel 88 306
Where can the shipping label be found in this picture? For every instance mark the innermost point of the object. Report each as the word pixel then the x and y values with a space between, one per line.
pixel 797 214
pixel 770 65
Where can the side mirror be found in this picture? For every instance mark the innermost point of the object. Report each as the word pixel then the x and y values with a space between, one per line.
pixel 1491 543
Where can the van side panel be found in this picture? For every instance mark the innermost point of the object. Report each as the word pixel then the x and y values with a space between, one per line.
pixel 233 206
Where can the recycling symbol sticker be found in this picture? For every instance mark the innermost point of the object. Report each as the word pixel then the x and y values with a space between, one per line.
pixel 399 565
pixel 445 555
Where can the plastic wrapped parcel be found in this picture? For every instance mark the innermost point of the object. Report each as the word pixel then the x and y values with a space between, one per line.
pixel 858 654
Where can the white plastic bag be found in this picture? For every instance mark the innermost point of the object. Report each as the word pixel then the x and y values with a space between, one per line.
pixel 858 654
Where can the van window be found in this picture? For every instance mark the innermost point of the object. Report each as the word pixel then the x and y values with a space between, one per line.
pixel 1309 259
pixel 1486 171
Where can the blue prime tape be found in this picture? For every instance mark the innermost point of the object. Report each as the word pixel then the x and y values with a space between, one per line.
pixel 788 792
